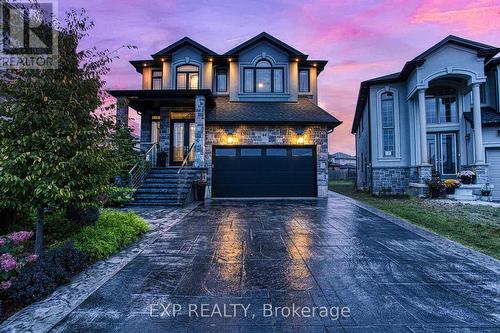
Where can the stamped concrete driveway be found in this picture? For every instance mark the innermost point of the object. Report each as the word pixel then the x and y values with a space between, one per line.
pixel 385 276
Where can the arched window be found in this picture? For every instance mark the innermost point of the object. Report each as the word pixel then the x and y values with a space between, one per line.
pixel 187 77
pixel 263 78
pixel 388 126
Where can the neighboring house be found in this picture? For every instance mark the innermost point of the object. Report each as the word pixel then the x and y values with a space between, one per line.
pixel 440 113
pixel 342 159
pixel 248 119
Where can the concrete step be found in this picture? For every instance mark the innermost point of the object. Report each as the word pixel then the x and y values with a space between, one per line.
pixel 162 190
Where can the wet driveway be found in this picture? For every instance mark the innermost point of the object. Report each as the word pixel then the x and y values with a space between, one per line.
pixel 296 266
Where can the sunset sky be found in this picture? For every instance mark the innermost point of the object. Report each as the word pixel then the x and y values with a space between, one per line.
pixel 360 39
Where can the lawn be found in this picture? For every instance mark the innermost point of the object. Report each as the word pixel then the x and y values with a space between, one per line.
pixel 475 226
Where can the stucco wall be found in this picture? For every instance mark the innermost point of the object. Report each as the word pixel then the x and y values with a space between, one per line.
pixel 272 135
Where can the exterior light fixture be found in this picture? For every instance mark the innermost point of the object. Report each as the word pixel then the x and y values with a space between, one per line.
pixel 210 59
pixel 145 65
pixel 297 59
pixel 300 135
pixel 162 59
pixel 229 59
pixel 260 85
pixel 230 138
pixel 314 65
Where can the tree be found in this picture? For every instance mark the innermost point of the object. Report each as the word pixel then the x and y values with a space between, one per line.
pixel 126 155
pixel 55 149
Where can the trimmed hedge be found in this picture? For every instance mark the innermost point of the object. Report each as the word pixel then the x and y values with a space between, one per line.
pixel 112 231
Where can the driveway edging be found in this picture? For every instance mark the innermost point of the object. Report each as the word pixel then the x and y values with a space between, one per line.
pixel 480 258
pixel 44 315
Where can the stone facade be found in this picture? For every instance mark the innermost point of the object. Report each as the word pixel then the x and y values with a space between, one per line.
pixel 122 111
pixel 390 181
pixel 199 147
pixel 272 135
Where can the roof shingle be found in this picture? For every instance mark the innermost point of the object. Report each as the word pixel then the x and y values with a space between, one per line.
pixel 304 111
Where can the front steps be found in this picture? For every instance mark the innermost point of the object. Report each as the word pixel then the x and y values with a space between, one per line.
pixel 162 188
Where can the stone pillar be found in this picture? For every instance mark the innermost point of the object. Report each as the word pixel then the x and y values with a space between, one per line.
pixel 478 132
pixel 423 127
pixel 199 137
pixel 481 173
pixel 145 130
pixel 122 111
pixel 164 131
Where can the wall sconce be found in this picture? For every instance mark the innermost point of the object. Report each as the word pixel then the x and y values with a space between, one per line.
pixel 467 137
pixel 300 135
pixel 230 138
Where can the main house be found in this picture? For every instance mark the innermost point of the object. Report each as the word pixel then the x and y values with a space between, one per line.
pixel 440 114
pixel 247 121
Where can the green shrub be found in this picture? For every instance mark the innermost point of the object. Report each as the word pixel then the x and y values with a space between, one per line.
pixel 118 196
pixel 112 231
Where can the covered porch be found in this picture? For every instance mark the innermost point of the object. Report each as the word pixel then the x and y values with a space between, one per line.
pixel 172 122
pixel 443 143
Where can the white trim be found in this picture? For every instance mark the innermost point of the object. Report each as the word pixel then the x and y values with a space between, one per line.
pixel 186 61
pixel 397 139
pixel 274 63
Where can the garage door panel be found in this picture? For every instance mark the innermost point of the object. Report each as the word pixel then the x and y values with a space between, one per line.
pixel 265 176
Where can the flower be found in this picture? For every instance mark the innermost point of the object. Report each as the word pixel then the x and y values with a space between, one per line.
pixel 451 183
pixel 7 262
pixel 4 285
pixel 2 241
pixel 466 173
pixel 20 236
pixel 31 258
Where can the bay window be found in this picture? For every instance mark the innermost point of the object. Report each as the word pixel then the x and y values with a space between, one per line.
pixel 263 78
pixel 187 77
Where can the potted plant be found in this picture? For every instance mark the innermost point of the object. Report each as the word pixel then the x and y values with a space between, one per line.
pixel 466 176
pixel 199 189
pixel 435 185
pixel 450 185
pixel 486 190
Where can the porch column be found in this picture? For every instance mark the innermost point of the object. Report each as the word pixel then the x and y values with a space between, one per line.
pixel 478 131
pixel 423 127
pixel 164 131
pixel 122 111
pixel 199 137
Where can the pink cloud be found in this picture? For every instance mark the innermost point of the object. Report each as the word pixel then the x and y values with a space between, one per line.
pixel 480 17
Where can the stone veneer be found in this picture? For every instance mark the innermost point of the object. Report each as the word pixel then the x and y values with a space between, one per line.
pixel 271 135
pixel 390 180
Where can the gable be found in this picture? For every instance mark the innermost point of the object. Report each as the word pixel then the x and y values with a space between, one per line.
pixel 263 49
pixel 265 37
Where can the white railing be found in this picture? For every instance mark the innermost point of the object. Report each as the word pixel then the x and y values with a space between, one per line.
pixel 140 170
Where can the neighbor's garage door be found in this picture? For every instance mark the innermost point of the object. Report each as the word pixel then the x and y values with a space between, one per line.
pixel 257 171
pixel 493 159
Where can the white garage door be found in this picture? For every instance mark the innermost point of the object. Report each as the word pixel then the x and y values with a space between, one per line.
pixel 493 158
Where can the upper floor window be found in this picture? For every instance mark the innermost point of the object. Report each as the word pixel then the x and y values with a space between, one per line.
pixel 157 78
pixel 388 126
pixel 441 106
pixel 187 77
pixel 263 78
pixel 304 80
pixel 221 80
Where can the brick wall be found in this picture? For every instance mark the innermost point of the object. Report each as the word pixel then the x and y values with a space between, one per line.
pixel 272 135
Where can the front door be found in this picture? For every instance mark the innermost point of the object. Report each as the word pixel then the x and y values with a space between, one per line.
pixel 182 138
pixel 443 154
